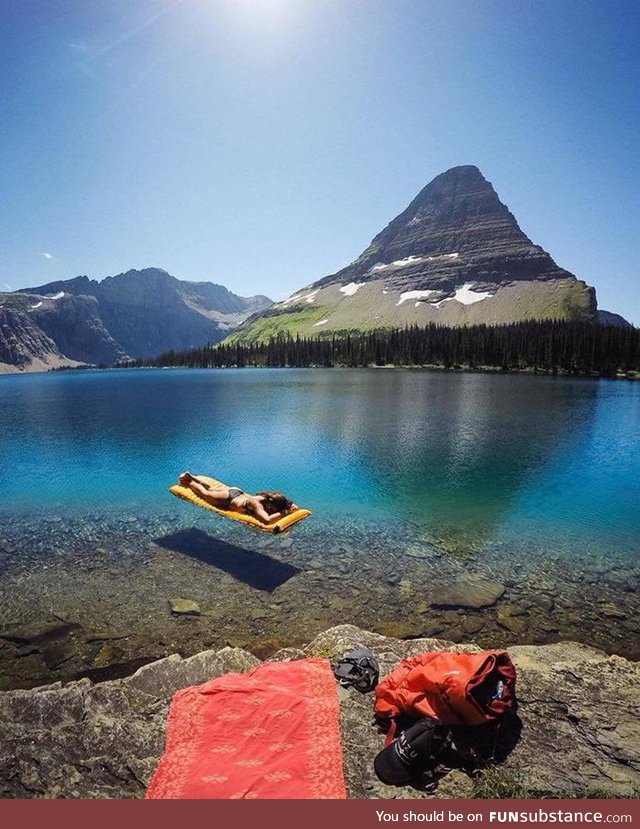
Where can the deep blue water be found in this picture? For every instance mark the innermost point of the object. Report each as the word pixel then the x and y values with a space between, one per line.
pixel 483 457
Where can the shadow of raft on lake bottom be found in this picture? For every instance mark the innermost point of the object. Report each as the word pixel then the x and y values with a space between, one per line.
pixel 255 569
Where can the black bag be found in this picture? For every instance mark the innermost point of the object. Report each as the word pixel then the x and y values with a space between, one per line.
pixel 415 751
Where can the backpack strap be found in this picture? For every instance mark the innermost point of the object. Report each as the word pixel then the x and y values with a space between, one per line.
pixel 391 733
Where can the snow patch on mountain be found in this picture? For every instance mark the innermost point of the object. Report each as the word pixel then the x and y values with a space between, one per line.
pixel 414 295
pixel 398 263
pixel 351 288
pixel 299 298
pixel 464 294
pixel 410 260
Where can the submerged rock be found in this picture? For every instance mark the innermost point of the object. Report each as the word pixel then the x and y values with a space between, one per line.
pixel 469 591
pixel 396 630
pixel 472 624
pixel 545 603
pixel 106 656
pixel 513 610
pixel 515 624
pixel 265 649
pixel 105 635
pixel 40 634
pixel 58 652
pixel 612 611
pixel 184 607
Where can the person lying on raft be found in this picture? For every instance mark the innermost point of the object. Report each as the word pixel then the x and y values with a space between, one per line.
pixel 266 506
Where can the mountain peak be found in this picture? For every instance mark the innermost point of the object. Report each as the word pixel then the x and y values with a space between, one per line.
pixel 460 171
pixel 454 231
pixel 454 256
pixel 141 274
pixel 461 181
pixel 465 174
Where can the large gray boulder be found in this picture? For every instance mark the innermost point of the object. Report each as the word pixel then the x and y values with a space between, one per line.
pixel 83 740
pixel 580 733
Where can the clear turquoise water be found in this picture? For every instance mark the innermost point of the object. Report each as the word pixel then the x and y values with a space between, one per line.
pixel 417 480
pixel 482 457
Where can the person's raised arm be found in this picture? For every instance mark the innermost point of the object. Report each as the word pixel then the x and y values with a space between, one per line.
pixel 255 505
pixel 263 515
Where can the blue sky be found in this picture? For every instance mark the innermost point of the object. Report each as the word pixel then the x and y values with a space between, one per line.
pixel 262 143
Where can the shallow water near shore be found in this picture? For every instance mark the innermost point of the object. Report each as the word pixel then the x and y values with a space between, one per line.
pixel 417 480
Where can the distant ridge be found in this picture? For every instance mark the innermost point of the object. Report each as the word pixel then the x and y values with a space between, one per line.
pixel 133 315
pixel 609 318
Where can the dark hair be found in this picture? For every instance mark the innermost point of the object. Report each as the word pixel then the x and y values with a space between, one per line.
pixel 275 502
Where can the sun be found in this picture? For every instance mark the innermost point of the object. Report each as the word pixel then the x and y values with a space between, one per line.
pixel 262 11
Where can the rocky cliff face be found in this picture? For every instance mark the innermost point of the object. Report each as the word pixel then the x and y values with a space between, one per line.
pixel 24 345
pixel 455 256
pixel 577 734
pixel 456 230
pixel 133 315
pixel 75 325
pixel 150 311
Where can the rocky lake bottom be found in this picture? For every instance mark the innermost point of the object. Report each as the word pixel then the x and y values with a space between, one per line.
pixel 92 596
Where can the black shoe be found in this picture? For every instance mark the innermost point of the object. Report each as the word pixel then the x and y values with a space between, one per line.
pixel 357 669
pixel 412 753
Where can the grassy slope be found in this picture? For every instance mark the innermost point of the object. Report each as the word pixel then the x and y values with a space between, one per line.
pixel 292 321
pixel 514 303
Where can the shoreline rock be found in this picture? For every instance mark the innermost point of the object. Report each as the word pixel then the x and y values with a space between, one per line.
pixel 580 732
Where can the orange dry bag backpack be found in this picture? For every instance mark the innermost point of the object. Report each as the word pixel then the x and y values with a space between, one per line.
pixel 454 688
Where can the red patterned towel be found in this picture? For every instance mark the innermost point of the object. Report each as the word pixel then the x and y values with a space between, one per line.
pixel 271 733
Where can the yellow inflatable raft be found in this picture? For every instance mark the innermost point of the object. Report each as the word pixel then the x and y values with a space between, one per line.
pixel 276 527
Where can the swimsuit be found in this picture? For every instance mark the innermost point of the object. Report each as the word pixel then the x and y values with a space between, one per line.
pixel 233 493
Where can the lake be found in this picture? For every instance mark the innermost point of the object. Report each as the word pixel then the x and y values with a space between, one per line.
pixel 418 481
